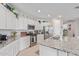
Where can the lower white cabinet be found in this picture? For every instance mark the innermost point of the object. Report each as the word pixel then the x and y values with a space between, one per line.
pixel 40 38
pixel 14 47
pixel 24 42
pixel 70 54
pixel 46 51
pixel 10 50
pixel 62 53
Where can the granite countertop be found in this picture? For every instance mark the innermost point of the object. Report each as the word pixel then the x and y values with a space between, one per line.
pixel 70 45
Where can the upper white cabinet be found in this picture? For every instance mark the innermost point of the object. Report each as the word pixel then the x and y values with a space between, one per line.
pixel 11 20
pixel 2 17
pixel 20 22
pixel 7 18
pixel 23 22
pixel 30 22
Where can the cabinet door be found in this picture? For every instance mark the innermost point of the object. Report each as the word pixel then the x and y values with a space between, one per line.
pixel 62 53
pixel 46 51
pixel 15 47
pixel 70 54
pixel 22 44
pixel 11 20
pixel 30 22
pixel 8 20
pixel 6 51
pixel 27 41
pixel 11 49
pixel 20 22
pixel 2 17
pixel 25 23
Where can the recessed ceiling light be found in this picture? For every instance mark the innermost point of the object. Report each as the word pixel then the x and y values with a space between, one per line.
pixel 48 15
pixel 39 11
pixel 59 16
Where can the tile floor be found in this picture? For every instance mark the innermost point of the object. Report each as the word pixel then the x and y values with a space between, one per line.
pixel 31 51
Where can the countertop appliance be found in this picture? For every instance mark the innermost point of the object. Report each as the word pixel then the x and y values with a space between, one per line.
pixel 3 37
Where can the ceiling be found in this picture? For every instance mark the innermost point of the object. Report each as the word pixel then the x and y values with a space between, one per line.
pixel 66 10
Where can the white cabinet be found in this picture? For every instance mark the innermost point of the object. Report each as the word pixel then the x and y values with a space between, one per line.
pixel 27 42
pixel 7 18
pixel 14 47
pixel 31 22
pixel 2 17
pixel 47 51
pixel 24 42
pixel 25 23
pixel 71 54
pixel 62 53
pixel 40 38
pixel 11 20
pixel 22 23
pixel 11 49
pixel 39 26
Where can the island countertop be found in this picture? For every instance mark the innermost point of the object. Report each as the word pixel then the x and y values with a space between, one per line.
pixel 70 45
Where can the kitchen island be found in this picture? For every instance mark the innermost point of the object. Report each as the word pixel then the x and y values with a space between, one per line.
pixel 69 45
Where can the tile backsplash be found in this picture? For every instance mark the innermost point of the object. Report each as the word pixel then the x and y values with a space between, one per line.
pixel 8 33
